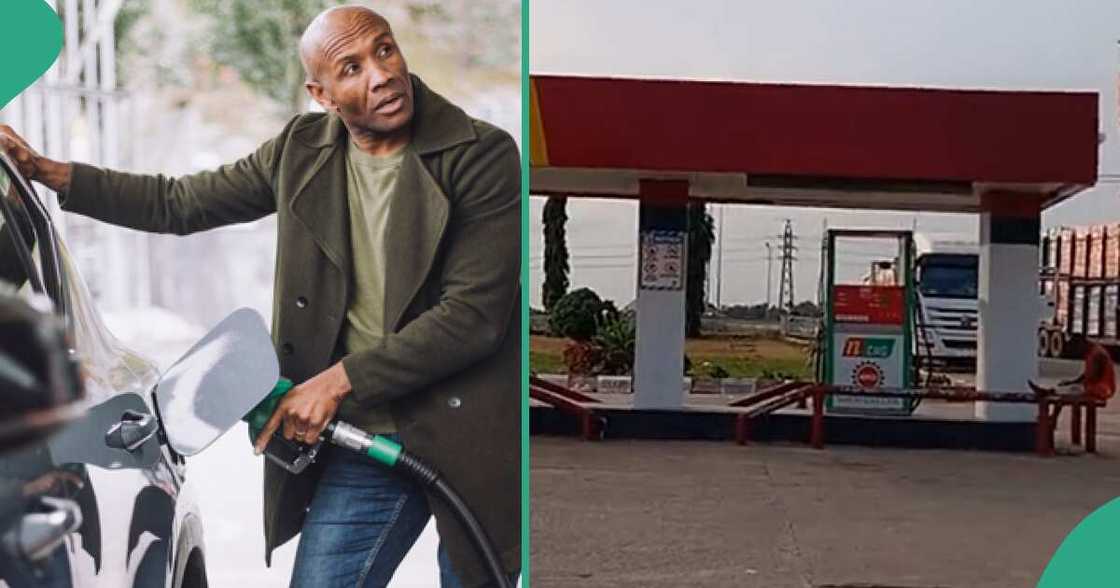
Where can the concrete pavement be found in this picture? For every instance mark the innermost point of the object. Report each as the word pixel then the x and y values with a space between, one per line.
pixel 658 513
pixel 694 513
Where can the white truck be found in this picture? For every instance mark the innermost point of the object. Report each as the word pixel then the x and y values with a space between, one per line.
pixel 946 316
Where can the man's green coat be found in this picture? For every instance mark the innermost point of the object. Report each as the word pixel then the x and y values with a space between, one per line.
pixel 450 369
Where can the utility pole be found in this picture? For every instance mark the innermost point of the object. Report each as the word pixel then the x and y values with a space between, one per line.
pixel 824 260
pixel 769 266
pixel 719 261
pixel 710 285
pixel 785 289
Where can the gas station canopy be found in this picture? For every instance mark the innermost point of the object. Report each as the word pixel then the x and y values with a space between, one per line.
pixel 810 145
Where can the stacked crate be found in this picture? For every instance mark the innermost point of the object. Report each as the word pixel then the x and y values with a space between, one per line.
pixel 1077 310
pixel 1111 302
pixel 1065 251
pixel 1094 290
pixel 1087 280
pixel 1111 279
pixel 1061 301
pixel 1080 253
pixel 1093 312
pixel 1080 271
pixel 1112 251
pixel 1096 251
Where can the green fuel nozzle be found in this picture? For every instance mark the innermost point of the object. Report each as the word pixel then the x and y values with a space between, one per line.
pixel 258 417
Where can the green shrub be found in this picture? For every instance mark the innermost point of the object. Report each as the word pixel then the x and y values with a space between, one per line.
pixel 576 315
pixel 615 338
pixel 715 370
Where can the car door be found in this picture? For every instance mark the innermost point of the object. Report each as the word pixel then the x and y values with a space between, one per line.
pixel 126 494
pixel 32 489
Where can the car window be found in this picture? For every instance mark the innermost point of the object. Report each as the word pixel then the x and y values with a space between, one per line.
pixel 108 367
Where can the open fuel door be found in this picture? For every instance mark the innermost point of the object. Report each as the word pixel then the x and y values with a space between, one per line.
pixel 218 381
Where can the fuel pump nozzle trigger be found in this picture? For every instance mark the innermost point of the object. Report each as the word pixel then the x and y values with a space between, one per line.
pixel 290 455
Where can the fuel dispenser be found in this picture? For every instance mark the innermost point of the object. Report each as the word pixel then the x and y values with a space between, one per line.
pixel 868 327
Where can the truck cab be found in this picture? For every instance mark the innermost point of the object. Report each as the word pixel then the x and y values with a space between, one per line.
pixel 946 318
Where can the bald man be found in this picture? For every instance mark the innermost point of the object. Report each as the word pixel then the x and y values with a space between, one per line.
pixel 396 301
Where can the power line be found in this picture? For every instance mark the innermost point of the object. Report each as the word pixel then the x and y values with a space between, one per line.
pixel 595 266
pixel 740 249
pixel 536 266
pixel 745 240
pixel 630 255
pixel 749 258
pixel 593 248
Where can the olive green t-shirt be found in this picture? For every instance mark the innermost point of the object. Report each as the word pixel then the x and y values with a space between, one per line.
pixel 370 183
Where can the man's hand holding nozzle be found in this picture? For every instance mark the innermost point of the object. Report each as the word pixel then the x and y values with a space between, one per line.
pixel 307 409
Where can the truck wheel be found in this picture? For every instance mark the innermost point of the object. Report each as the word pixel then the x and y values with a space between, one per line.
pixel 1043 344
pixel 1057 344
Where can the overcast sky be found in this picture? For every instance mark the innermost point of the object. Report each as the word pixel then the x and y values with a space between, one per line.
pixel 1025 44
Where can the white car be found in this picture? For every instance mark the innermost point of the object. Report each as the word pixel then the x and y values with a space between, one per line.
pixel 105 502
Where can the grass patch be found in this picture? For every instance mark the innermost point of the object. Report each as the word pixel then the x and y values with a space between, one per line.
pixel 751 367
pixel 544 362
pixel 740 357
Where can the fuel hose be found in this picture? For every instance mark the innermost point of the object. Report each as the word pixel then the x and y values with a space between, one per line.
pixel 396 458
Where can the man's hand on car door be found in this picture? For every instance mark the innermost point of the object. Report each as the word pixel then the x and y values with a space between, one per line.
pixel 20 152
pixel 53 174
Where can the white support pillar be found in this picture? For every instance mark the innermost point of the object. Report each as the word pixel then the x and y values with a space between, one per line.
pixel 1008 303
pixel 660 331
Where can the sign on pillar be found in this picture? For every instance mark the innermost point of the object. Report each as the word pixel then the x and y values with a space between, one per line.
pixel 660 331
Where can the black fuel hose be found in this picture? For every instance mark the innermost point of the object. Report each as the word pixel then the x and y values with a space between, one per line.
pixel 398 459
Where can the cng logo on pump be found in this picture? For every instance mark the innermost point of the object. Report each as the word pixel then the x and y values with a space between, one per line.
pixel 868 347
pixel 867 376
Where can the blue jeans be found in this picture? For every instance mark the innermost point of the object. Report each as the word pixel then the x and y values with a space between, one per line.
pixel 363 520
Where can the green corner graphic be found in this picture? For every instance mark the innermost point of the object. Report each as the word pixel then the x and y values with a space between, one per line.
pixel 30 38
pixel 1087 557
